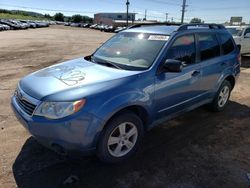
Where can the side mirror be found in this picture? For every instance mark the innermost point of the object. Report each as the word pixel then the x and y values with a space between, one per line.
pixel 172 65
pixel 247 35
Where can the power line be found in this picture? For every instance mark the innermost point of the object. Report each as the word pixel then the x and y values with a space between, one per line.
pixel 45 9
pixel 160 17
pixel 220 8
pixel 163 2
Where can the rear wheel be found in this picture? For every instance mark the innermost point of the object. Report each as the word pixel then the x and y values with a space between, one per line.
pixel 222 97
pixel 121 138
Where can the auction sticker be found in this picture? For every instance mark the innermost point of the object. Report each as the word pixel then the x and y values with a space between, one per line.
pixel 158 37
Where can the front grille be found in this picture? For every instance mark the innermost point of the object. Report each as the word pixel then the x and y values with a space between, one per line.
pixel 26 106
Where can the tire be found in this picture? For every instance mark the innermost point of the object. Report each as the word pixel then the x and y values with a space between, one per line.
pixel 114 146
pixel 218 104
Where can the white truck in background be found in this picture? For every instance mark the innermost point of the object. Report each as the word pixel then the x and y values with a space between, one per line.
pixel 241 35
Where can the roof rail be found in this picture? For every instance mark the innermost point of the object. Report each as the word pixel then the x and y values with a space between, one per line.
pixel 153 24
pixel 200 26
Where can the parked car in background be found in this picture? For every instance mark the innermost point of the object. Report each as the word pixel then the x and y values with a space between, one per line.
pixel 94 26
pixel 241 35
pixel 67 24
pixel 30 23
pixel 10 24
pixel 109 29
pixel 4 27
pixel 119 29
pixel 75 25
pixel 40 24
pixel 142 76
pixel 102 27
pixel 24 24
pixel 86 25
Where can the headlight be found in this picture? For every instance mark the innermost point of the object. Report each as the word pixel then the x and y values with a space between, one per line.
pixel 57 110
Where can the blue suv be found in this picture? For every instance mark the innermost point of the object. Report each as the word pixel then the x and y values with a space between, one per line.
pixel 142 76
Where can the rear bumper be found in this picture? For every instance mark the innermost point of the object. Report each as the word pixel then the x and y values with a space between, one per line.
pixel 74 135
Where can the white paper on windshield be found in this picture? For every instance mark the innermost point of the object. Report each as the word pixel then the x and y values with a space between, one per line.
pixel 158 37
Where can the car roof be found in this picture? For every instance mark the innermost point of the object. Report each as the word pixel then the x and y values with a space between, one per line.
pixel 159 29
pixel 164 29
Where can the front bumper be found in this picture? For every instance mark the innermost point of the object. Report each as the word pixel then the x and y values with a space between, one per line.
pixel 76 134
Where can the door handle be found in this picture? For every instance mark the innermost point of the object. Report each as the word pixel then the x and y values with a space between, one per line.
pixel 196 73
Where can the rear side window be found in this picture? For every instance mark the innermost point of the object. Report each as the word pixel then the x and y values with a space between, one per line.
pixel 183 49
pixel 209 46
pixel 226 43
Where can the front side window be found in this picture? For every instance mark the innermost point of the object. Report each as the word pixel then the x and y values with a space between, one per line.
pixel 226 43
pixel 183 49
pixel 209 46
pixel 130 50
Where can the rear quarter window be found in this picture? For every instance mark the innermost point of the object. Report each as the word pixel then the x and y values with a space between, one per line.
pixel 226 43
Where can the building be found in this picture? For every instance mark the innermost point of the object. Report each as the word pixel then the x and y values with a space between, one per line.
pixel 110 18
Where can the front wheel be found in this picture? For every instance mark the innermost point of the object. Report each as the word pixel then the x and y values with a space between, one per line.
pixel 121 138
pixel 222 97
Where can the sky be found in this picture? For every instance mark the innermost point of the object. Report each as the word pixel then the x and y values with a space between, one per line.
pixel 216 11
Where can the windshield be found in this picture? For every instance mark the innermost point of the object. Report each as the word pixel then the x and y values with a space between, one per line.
pixel 235 31
pixel 131 51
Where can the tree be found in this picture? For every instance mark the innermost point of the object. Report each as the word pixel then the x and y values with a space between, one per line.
pixel 77 18
pixel 196 20
pixel 47 16
pixel 59 17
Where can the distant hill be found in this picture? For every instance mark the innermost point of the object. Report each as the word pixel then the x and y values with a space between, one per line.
pixel 20 14
pixel 28 13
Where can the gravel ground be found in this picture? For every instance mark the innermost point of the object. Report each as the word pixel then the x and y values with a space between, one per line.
pixel 198 149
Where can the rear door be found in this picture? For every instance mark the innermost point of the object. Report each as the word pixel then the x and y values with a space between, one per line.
pixel 212 63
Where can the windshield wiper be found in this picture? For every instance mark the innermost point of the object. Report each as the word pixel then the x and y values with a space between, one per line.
pixel 106 63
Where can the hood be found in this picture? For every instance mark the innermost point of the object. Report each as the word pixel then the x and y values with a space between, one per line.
pixel 71 76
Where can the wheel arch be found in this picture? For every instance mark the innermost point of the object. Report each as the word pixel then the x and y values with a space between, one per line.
pixel 231 79
pixel 139 110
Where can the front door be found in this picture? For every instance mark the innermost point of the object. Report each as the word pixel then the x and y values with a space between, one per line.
pixel 174 91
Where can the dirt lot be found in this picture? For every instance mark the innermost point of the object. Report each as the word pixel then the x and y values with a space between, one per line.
pixel 198 149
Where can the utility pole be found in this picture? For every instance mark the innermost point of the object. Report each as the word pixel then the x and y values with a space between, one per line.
pixel 183 11
pixel 127 10
pixel 166 17
pixel 145 18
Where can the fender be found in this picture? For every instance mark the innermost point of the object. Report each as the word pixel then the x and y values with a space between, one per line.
pixel 227 72
pixel 126 99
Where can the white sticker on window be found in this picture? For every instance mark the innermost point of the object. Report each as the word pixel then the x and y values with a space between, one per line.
pixel 158 37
